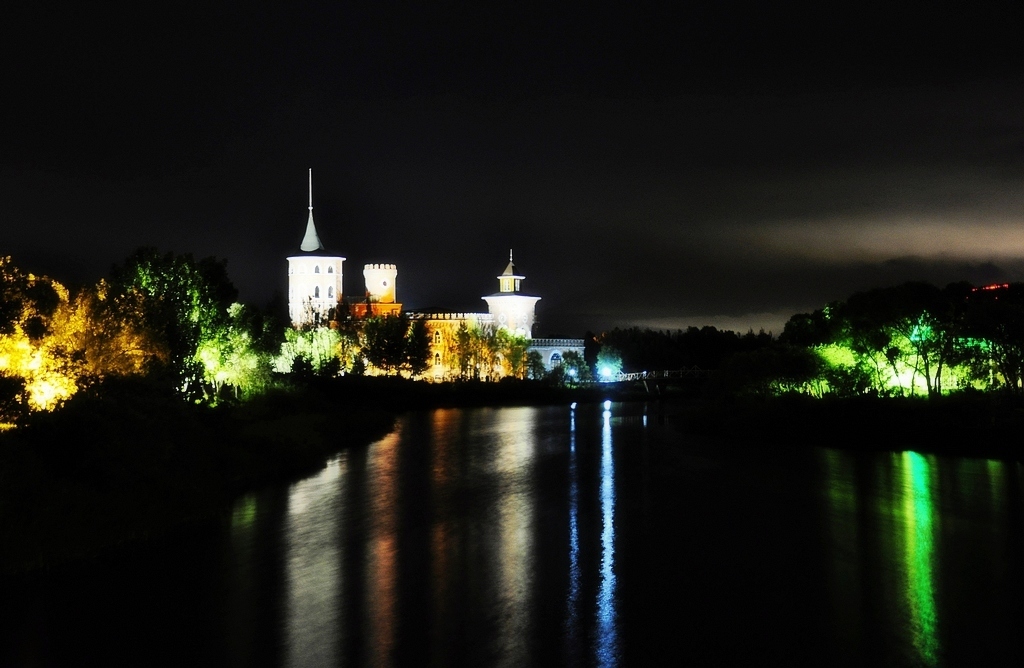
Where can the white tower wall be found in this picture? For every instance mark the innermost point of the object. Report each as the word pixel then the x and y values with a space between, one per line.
pixel 513 311
pixel 314 287
pixel 381 282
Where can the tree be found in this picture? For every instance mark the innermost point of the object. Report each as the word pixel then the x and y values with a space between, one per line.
pixel 392 343
pixel 535 368
pixel 417 348
pixel 511 350
pixel 13 398
pixel 994 335
pixel 609 363
pixel 232 356
pixel 186 303
pixel 318 348
pixel 574 368
pixel 771 371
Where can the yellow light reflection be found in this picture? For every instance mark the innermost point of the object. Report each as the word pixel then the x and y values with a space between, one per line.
pixel 382 548
pixel 514 435
pixel 919 556
pixel 446 422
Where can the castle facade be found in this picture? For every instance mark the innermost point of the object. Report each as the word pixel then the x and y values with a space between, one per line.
pixel 316 298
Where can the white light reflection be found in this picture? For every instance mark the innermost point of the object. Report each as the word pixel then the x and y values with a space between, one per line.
pixel 513 436
pixel 572 604
pixel 607 640
pixel 313 567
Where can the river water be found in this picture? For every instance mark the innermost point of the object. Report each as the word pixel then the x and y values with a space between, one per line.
pixel 552 536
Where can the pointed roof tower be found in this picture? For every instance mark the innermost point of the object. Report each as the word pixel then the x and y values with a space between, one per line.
pixel 510 307
pixel 510 270
pixel 311 242
pixel 509 279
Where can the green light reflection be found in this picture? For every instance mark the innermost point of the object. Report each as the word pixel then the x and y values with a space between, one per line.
pixel 243 514
pixel 920 592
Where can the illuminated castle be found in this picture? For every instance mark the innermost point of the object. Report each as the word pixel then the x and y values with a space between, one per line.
pixel 316 297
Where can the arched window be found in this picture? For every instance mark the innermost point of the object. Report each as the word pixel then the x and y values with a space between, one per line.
pixel 330 270
pixel 437 336
pixel 556 359
pixel 330 291
pixel 316 292
pixel 316 269
pixel 437 359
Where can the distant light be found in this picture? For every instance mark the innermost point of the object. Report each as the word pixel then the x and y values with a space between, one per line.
pixel 572 372
pixel 606 372
pixel 572 406
pixel 607 404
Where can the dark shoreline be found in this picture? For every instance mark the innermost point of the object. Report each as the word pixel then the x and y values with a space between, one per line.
pixel 136 463
pixel 132 462
pixel 979 426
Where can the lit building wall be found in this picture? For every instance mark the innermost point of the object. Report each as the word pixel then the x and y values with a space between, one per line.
pixel 552 351
pixel 314 287
pixel 381 282
pixel 513 311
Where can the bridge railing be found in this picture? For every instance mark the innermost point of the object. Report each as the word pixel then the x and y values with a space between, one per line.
pixel 692 372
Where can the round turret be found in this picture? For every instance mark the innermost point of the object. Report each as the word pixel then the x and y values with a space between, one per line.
pixel 380 282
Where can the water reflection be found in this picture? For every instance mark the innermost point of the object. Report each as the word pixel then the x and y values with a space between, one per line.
pixel 845 547
pixel 513 457
pixel 919 555
pixel 313 568
pixel 382 549
pixel 518 536
pixel 572 600
pixel 607 637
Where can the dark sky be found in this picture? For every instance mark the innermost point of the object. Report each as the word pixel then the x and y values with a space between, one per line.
pixel 710 165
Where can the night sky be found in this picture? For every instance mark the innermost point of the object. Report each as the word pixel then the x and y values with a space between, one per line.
pixel 710 165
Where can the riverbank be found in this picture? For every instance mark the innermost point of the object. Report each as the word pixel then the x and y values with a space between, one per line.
pixel 136 462
pixel 131 461
pixel 401 394
pixel 975 425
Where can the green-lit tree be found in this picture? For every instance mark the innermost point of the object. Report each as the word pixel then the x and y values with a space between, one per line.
pixel 231 356
pixel 186 303
pixel 315 351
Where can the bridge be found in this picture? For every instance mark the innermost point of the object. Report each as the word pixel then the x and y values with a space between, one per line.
pixel 620 377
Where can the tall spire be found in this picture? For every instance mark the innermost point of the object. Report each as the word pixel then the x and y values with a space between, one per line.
pixel 311 242
pixel 510 270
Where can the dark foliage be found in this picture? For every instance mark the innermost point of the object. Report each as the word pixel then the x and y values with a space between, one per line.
pixel 705 347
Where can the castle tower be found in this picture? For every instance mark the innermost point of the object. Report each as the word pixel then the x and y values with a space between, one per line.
pixel 511 308
pixel 381 295
pixel 380 282
pixel 314 277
